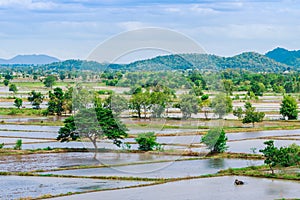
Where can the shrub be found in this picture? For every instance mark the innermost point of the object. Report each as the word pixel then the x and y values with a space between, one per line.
pixel 18 145
pixel 146 141
pixel 1 145
pixel 215 140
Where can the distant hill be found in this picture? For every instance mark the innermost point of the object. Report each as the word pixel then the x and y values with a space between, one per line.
pixel 249 61
pixel 285 56
pixel 30 59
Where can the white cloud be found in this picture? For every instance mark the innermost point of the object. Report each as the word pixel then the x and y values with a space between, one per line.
pixel 202 10
pixel 27 4
pixel 131 25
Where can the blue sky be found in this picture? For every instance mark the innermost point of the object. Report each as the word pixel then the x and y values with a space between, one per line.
pixel 73 28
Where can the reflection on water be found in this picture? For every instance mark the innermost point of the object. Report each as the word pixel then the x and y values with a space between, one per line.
pixel 216 163
pixel 15 187
pixel 206 189
pixel 163 169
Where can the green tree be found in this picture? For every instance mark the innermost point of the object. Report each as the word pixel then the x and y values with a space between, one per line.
pixel 49 81
pixel 281 157
pixel 94 124
pixel 6 82
pixel 159 102
pixel 258 88
pixel 8 76
pixel 18 145
pixel 56 102
pixel 35 98
pixel 146 141
pixel 35 77
pixel 205 105
pixel 289 107
pixel 67 104
pixel 140 101
pixel 270 153
pixel 116 103
pixel 238 112
pixel 13 88
pixel 228 86
pixel 18 103
pixel 221 104
pixel 188 104
pixel 251 116
pixel 215 140
pixel 81 97
pixel 62 76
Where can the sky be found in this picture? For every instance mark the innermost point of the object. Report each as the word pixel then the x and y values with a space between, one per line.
pixel 71 29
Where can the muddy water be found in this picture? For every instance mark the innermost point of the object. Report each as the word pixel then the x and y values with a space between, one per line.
pixel 29 128
pixel 249 135
pixel 246 145
pixel 186 140
pixel 165 169
pixel 15 187
pixel 163 131
pixel 15 163
pixel 31 134
pixel 206 188
pixel 9 141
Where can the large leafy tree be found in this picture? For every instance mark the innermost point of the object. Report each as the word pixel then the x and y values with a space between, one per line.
pixel 116 103
pixel 221 104
pixel 257 88
pixel 188 104
pixel 289 107
pixel 56 102
pixel 270 152
pixel 93 123
pixel 49 81
pixel 36 98
pixel 18 103
pixel 13 88
pixel 6 82
pixel 140 102
pixel 160 98
pixel 283 156
pixel 252 116
pixel 215 140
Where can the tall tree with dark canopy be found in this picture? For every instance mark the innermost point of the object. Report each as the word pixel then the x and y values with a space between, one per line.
pixel 56 102
pixel 94 124
pixel 49 81
pixel 36 98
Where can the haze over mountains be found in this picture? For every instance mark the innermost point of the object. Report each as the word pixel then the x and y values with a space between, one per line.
pixel 277 60
pixel 30 59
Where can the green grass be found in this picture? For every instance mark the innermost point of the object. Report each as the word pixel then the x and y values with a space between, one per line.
pixel 260 172
pixel 21 112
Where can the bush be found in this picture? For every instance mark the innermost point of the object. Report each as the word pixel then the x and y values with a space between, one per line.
pixel 18 145
pixel 146 141
pixel 1 145
pixel 215 140
pixel 13 112
pixel 282 157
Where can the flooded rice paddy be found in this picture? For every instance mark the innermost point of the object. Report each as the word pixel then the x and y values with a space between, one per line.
pixel 14 187
pixel 141 165
pixel 204 188
pixel 165 169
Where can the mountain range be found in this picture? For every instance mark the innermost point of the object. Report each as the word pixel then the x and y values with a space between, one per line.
pixel 282 55
pixel 277 60
pixel 30 60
